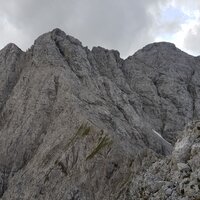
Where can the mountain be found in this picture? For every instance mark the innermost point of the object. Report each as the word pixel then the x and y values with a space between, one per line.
pixel 80 124
pixel 176 177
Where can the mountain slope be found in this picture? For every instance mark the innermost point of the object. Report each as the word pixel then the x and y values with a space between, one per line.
pixel 176 177
pixel 80 124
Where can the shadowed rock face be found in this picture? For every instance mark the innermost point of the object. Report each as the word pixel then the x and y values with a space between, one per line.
pixel 81 124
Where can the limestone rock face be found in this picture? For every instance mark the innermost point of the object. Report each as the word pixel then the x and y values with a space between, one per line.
pixel 176 177
pixel 80 124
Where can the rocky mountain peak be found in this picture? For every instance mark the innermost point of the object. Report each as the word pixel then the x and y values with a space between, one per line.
pixel 82 124
pixel 12 46
pixel 160 46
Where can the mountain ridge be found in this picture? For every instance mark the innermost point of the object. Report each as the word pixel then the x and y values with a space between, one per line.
pixel 84 123
pixel 80 43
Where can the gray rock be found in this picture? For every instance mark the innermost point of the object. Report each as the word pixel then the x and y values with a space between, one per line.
pixel 179 180
pixel 84 124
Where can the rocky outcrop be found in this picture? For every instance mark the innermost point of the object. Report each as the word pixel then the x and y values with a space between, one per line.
pixel 177 177
pixel 81 124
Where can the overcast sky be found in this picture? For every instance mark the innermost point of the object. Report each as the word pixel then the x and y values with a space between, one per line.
pixel 125 25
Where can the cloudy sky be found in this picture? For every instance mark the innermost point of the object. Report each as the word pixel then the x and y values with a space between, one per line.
pixel 125 25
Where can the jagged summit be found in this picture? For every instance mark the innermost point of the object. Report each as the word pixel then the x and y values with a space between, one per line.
pixel 11 46
pixel 81 124
pixel 58 34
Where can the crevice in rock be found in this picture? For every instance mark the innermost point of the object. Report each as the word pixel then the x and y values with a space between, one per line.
pixel 132 103
pixel 3 181
pixel 155 82
pixel 123 113
pixel 66 58
pixel 192 92
pixel 59 48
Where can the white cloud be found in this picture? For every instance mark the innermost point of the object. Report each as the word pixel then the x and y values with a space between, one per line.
pixel 185 32
pixel 125 25
pixel 10 33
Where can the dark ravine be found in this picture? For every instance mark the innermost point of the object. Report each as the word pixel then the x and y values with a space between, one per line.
pixel 80 124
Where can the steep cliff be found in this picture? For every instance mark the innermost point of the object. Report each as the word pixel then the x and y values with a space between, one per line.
pixel 82 124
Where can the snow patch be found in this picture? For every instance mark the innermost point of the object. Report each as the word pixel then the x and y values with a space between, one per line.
pixel 158 134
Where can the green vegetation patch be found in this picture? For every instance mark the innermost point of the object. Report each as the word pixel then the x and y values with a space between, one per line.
pixel 123 185
pixel 104 141
pixel 83 131
pixel 127 180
